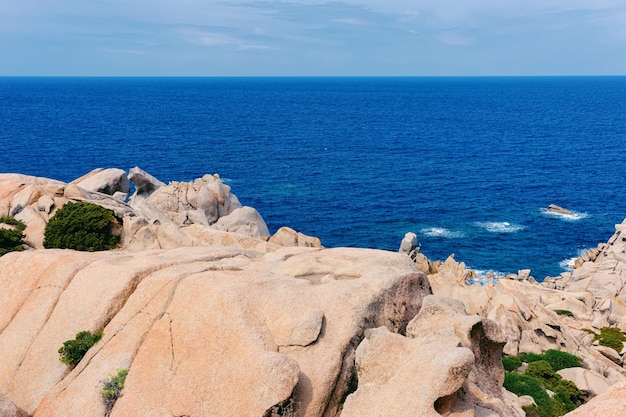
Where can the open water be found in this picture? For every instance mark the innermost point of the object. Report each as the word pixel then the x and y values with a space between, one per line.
pixel 469 164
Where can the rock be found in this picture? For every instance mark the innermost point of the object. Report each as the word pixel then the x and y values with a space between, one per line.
pixel 553 208
pixel 458 354
pixel 245 220
pixel 609 353
pixel 107 181
pixel 45 204
pixel 389 363
pixel 286 236
pixel 586 380
pixel 203 331
pixel 611 403
pixel 8 409
pixel 409 245
pixel 182 202
pixel 144 183
pixel 526 401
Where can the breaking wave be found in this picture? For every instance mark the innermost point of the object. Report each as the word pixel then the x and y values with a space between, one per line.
pixel 442 232
pixel 500 227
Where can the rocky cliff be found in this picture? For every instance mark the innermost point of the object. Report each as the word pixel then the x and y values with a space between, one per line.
pixel 212 316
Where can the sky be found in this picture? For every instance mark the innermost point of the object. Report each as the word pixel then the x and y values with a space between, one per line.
pixel 312 38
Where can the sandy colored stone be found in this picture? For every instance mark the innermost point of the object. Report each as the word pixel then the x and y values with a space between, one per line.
pixel 586 380
pixel 286 236
pixel 245 220
pixel 106 181
pixel 611 403
pixel 221 331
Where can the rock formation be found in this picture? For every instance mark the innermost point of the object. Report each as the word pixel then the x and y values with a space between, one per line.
pixel 213 317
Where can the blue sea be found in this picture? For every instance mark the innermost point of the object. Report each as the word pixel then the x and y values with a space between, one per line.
pixel 469 164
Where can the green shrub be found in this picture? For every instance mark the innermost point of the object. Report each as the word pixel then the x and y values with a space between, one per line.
pixel 112 389
pixel 511 363
pixel 73 350
pixel 543 370
pixel 611 337
pixel 557 359
pixel 11 240
pixel 81 226
pixel 522 384
pixel 564 313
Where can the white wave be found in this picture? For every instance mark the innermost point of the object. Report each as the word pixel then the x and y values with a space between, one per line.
pixel 485 277
pixel 500 227
pixel 572 216
pixel 442 232
pixel 568 264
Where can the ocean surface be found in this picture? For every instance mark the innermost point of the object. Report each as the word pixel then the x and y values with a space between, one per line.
pixel 469 164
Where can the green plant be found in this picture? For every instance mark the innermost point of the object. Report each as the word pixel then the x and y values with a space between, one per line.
pixel 112 389
pixel 73 350
pixel 611 337
pixel 556 358
pixel 521 384
pixel 11 239
pixel 564 313
pixel 81 226
pixel 511 363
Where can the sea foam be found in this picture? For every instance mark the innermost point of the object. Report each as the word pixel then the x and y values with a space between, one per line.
pixel 500 227
pixel 442 232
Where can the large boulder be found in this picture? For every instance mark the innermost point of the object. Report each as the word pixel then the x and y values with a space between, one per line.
pixel 245 220
pixel 205 332
pixel 107 181
pixel 611 403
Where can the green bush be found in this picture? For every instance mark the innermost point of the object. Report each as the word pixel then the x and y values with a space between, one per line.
pixel 611 337
pixel 81 226
pixel 112 389
pixel 557 359
pixel 511 363
pixel 11 240
pixel 522 384
pixel 73 350
pixel 543 370
pixel 564 313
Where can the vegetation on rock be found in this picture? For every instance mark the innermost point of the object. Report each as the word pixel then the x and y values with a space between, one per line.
pixel 73 350
pixel 564 313
pixel 557 359
pixel 610 337
pixel 81 226
pixel 112 389
pixel 540 376
pixel 11 239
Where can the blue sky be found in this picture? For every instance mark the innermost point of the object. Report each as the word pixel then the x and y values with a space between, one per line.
pixel 367 37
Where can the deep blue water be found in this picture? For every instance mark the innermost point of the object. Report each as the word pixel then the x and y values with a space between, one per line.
pixel 466 163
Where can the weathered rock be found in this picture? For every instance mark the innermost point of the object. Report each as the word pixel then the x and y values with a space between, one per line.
pixel 553 208
pixel 8 409
pixel 611 403
pixel 107 181
pixel 226 332
pixel 245 220
pixel 586 380
pixel 389 366
pixel 609 353
pixel 144 183
pixel 286 236
pixel 458 354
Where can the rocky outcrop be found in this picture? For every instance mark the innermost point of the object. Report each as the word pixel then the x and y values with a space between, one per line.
pixel 459 356
pixel 226 332
pixel 553 208
pixel 111 181
pixel 611 403
pixel 157 216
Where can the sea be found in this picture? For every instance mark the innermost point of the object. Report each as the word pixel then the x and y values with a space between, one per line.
pixel 469 164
